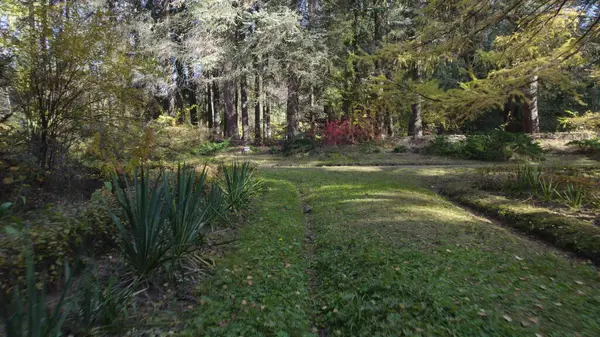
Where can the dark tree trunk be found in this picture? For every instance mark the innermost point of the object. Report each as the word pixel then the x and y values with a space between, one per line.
pixel 244 99
pixel 293 105
pixel 209 106
pixel 231 130
pixel 416 122
pixel 215 106
pixel 229 97
pixel 191 102
pixel 328 109
pixel 257 107
pixel 267 120
pixel 389 123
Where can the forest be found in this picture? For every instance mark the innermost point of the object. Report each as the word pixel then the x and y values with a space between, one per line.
pixel 299 168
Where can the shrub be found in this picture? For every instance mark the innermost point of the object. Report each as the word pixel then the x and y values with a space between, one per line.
pixel 29 315
pixel 5 209
pixel 240 184
pixel 495 146
pixel 441 146
pixel 299 144
pixel 587 146
pixel 369 148
pixel 56 233
pixel 400 149
pixel 211 148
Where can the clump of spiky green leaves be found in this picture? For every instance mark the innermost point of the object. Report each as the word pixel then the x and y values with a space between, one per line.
pixel 144 237
pixel 240 184
pixel 167 217
pixel 26 314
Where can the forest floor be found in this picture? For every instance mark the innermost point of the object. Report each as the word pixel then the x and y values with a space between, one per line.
pixel 380 254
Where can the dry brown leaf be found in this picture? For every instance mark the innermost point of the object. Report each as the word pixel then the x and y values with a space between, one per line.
pixel 507 318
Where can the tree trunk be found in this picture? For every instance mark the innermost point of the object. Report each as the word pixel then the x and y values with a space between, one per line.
pixel 215 106
pixel 267 120
pixel 293 104
pixel 257 107
pixel 389 125
pixel 192 103
pixel 416 122
pixel 209 106
pixel 244 98
pixel 328 109
pixel 231 125
pixel 530 108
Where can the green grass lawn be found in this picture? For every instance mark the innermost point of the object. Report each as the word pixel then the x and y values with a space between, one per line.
pixel 390 258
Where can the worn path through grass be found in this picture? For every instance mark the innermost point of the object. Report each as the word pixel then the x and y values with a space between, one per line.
pixel 391 258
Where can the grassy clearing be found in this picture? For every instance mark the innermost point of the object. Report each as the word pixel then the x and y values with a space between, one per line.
pixel 394 259
pixel 260 289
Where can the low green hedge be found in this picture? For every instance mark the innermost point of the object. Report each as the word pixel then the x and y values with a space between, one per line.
pixel 580 237
pixel 56 234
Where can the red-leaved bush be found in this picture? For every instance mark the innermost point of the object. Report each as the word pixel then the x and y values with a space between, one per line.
pixel 349 132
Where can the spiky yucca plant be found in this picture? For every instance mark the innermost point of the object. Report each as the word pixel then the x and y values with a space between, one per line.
pixel 186 211
pixel 144 238
pixel 29 315
pixel 240 184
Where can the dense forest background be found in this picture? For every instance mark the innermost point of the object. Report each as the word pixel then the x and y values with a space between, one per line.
pixel 92 79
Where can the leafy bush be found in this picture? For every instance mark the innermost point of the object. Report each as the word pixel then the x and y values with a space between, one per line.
pixel 240 184
pixel 359 130
pixel 441 146
pixel 211 148
pixel 495 146
pixel 484 147
pixel 587 146
pixel 369 148
pixel 29 316
pixel 299 144
pixel 56 233
pixel 400 149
